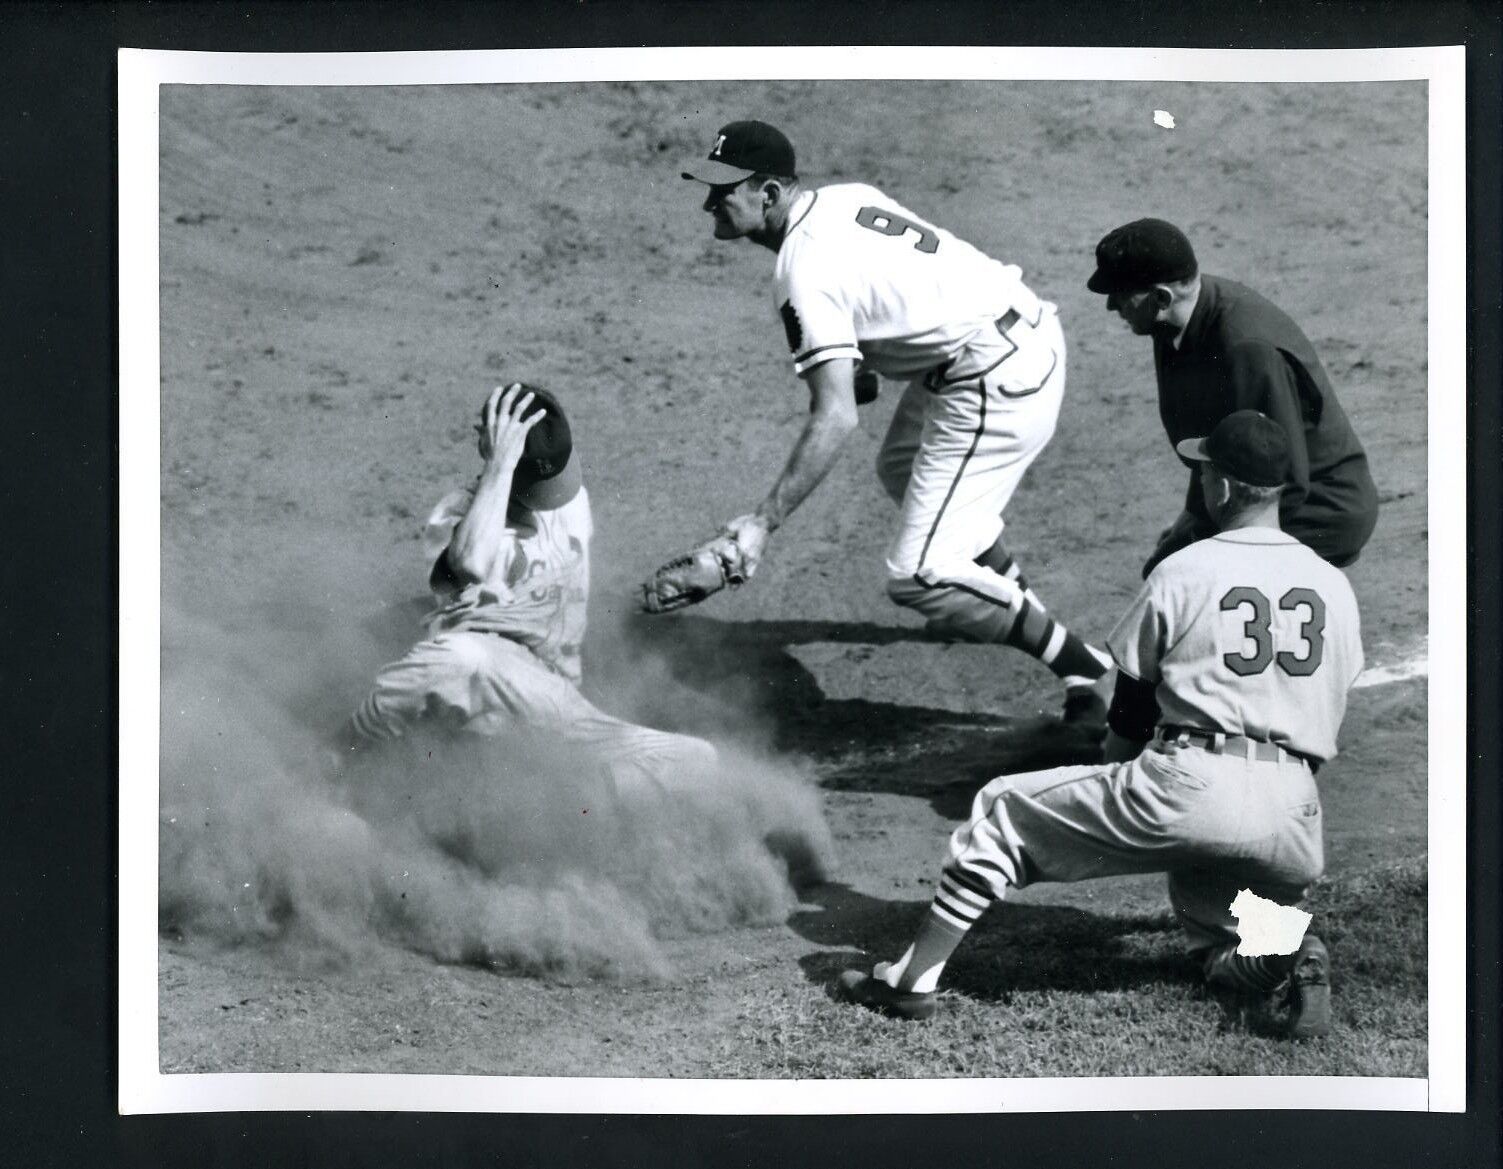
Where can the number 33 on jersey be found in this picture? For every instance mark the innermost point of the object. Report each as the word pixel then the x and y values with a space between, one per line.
pixel 859 276
pixel 1248 632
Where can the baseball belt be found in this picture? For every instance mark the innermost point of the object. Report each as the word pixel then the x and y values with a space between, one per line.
pixel 1218 743
pixel 1007 320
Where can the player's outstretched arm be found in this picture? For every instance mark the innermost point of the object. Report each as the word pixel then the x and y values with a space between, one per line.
pixel 832 418
pixel 732 557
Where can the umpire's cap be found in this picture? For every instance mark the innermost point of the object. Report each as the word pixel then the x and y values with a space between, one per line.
pixel 743 149
pixel 1246 445
pixel 1139 255
pixel 547 475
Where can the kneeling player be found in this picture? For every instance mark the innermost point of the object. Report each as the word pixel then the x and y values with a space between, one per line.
pixel 1234 664
pixel 511 564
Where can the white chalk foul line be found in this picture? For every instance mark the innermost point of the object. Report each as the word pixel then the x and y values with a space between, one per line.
pixel 1416 667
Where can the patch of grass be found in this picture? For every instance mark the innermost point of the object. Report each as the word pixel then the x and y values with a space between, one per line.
pixel 1044 991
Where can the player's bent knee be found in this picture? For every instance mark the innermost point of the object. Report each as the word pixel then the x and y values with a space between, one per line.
pixel 903 589
pixel 955 613
pixel 465 653
pixel 934 602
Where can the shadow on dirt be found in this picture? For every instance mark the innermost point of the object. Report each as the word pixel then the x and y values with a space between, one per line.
pixel 857 745
pixel 1014 948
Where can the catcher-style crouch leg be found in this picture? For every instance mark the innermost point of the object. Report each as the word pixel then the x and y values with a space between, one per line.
pixel 954 455
pixel 1214 823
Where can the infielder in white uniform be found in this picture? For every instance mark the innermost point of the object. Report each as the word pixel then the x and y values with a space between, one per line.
pixel 510 558
pixel 865 287
pixel 1234 664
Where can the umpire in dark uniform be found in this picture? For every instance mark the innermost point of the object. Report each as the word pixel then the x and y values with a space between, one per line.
pixel 1219 347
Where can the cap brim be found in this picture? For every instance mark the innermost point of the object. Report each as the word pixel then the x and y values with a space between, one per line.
pixel 716 174
pixel 1103 283
pixel 1193 449
pixel 553 492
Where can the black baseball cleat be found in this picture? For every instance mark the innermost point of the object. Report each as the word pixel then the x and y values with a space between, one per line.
pixel 875 995
pixel 1309 996
pixel 1084 707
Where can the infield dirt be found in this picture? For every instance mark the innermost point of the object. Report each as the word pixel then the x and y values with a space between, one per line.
pixel 346 271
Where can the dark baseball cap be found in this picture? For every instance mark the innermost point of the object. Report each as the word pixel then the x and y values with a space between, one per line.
pixel 743 149
pixel 547 474
pixel 1245 445
pixel 1141 254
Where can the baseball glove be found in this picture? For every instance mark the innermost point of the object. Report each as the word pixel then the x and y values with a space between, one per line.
pixel 690 578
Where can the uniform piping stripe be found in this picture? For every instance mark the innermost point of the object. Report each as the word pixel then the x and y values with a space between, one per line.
pixel 1053 365
pixel 950 494
pixel 1002 330
pixel 813 199
pixel 1056 643
pixel 944 381
pixel 1005 606
pixel 803 357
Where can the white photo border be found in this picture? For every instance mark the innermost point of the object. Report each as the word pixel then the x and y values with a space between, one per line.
pixel 142 1086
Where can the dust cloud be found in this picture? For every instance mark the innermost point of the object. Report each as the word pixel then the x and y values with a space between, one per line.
pixel 497 852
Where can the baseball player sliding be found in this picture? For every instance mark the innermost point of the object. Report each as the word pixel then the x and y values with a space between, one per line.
pixel 1234 663
pixel 865 287
pixel 510 560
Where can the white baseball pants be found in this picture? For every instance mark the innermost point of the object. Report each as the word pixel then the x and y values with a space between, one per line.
pixel 484 684
pixel 956 450
pixel 1216 824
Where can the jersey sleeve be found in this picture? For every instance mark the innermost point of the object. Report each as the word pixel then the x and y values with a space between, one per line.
pixel 1262 380
pixel 817 321
pixel 1138 641
pixel 438 529
pixel 438 532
